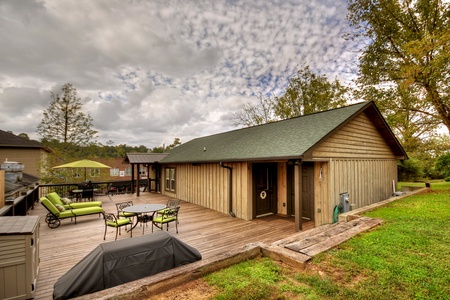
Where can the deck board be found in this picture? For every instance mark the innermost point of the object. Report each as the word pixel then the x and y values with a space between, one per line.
pixel 208 231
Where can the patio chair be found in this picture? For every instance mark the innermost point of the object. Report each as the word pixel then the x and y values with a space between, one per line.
pixel 171 203
pixel 169 215
pixel 120 213
pixel 117 223
pixel 111 190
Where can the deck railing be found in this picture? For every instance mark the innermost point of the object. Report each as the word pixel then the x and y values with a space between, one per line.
pixel 26 198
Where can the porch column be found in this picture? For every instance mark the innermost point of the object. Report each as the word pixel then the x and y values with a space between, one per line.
pixel 298 197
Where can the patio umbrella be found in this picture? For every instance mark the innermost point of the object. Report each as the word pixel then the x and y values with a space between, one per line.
pixel 84 163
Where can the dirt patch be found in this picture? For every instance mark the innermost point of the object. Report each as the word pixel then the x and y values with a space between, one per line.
pixel 200 290
pixel 194 290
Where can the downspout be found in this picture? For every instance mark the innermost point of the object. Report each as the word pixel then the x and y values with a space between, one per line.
pixel 230 188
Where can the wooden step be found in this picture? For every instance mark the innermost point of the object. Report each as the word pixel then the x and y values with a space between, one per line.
pixel 331 236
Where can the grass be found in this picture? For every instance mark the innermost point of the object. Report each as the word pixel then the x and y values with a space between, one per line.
pixel 407 257
pixel 248 280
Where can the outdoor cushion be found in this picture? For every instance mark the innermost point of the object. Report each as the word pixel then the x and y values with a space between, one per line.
pixel 49 205
pixel 55 198
pixel 66 201
pixel 120 222
pixel 87 210
pixel 60 207
pixel 77 205
pixel 164 220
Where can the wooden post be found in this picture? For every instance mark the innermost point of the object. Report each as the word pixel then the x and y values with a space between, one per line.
pixel 2 188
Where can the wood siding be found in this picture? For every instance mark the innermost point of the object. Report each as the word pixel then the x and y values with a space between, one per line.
pixel 208 185
pixel 366 181
pixel 358 139
pixel 359 162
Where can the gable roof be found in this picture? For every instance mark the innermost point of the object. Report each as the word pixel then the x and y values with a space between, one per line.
pixel 286 139
pixel 9 140
pixel 144 158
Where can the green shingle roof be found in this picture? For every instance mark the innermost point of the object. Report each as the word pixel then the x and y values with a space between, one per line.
pixel 285 139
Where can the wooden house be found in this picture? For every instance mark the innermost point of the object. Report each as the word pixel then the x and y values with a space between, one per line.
pixel 297 167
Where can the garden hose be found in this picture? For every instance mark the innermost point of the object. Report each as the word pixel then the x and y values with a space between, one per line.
pixel 338 209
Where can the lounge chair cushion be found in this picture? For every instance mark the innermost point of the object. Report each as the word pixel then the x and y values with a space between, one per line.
pixel 55 198
pixel 49 205
pixel 78 205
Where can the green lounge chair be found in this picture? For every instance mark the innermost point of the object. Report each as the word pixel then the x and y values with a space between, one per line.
pixel 56 199
pixel 58 212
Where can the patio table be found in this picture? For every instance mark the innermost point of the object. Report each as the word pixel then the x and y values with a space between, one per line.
pixel 142 211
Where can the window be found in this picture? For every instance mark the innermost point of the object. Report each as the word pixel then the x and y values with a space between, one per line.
pixel 170 179
pixel 114 172
pixel 76 173
pixel 128 171
pixel 95 172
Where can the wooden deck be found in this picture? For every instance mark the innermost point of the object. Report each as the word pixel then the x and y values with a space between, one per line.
pixel 209 231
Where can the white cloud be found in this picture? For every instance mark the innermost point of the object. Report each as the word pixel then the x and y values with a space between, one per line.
pixel 150 71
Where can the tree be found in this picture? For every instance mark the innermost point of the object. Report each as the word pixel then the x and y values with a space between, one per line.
pixel 64 126
pixel 256 114
pixel 408 55
pixel 176 142
pixel 443 164
pixel 24 135
pixel 306 93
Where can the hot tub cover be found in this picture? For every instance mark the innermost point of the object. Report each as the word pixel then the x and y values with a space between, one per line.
pixel 118 262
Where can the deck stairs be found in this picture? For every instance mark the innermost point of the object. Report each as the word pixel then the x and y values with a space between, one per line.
pixel 323 238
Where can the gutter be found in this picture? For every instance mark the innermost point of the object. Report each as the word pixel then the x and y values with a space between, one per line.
pixel 230 188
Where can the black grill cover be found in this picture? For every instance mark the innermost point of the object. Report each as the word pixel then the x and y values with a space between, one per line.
pixel 118 262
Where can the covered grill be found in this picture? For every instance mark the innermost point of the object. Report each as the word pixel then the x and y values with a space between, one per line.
pixel 118 262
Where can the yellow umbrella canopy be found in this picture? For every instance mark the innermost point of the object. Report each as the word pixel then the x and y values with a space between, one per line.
pixel 84 163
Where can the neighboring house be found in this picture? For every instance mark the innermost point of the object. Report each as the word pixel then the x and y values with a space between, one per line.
pixel 296 167
pixel 119 170
pixel 32 154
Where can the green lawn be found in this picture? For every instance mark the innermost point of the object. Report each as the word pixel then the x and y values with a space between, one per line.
pixel 407 257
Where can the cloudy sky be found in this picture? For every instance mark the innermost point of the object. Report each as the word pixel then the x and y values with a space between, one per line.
pixel 151 71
